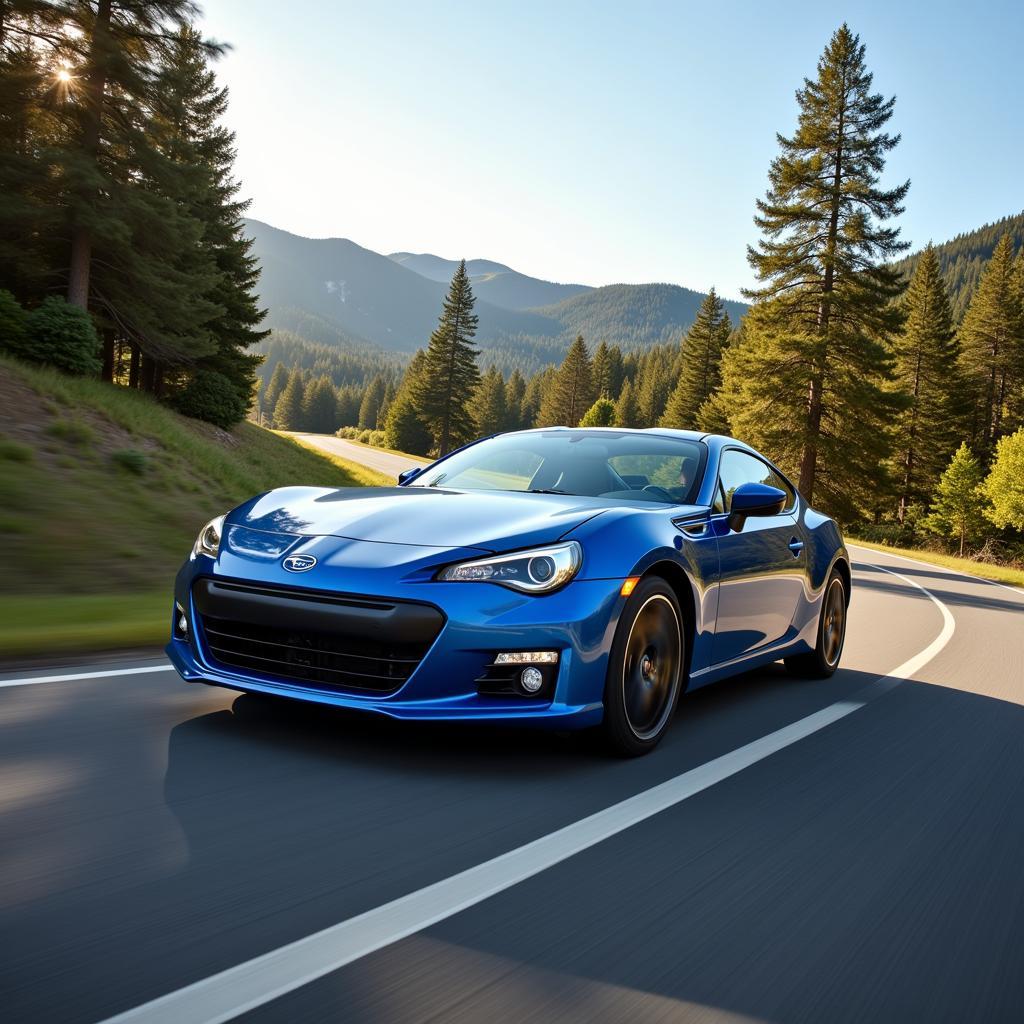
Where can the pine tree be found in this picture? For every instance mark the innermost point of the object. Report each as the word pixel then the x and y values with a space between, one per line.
pixel 536 387
pixel 1004 486
pixel 515 391
pixel 450 375
pixel 370 405
pixel 959 504
pixel 926 432
pixel 572 394
pixel 627 411
pixel 700 375
pixel 653 387
pixel 288 411
pixel 816 366
pixel 404 431
pixel 278 382
pixel 320 407
pixel 600 414
pixel 491 413
pixel 603 371
pixel 992 347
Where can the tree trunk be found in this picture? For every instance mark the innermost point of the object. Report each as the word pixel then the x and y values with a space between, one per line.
pixel 152 375
pixel 81 238
pixel 108 355
pixel 134 366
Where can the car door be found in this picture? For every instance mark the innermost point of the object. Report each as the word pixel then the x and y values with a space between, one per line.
pixel 762 566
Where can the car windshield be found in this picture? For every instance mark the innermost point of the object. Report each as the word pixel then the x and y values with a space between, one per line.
pixel 592 463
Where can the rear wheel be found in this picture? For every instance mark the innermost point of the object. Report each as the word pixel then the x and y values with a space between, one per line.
pixel 645 669
pixel 824 659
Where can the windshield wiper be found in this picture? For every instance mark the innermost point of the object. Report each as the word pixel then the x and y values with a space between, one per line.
pixel 546 490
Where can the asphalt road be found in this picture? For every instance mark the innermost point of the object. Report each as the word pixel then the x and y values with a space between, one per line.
pixel 374 458
pixel 153 834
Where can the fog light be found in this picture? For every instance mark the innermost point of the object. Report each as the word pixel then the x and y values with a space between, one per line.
pixel 182 619
pixel 527 658
pixel 531 680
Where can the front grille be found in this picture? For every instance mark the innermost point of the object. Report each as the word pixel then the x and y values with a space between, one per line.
pixel 333 643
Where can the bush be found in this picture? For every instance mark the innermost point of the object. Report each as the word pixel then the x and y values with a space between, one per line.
pixel 210 396
pixel 15 451
pixel 131 460
pixel 13 324
pixel 62 336
pixel 73 431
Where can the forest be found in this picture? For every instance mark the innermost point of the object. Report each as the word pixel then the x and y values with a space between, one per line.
pixel 889 386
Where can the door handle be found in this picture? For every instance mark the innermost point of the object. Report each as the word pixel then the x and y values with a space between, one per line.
pixel 796 546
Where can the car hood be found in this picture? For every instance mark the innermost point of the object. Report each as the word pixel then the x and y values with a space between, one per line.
pixel 420 516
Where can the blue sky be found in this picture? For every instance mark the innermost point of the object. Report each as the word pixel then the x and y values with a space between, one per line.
pixel 598 142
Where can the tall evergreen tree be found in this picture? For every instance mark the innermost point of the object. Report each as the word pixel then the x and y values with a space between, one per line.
pixel 288 413
pixel 700 375
pixel 627 410
pixel 450 375
pixel 515 391
pixel 926 431
pixel 573 393
pixel 992 347
pixel 320 407
pixel 536 387
pixel 278 382
pixel 603 371
pixel 654 382
pixel 491 412
pixel 370 405
pixel 815 361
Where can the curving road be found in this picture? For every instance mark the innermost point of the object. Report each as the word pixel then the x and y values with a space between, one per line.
pixel 375 458
pixel 795 851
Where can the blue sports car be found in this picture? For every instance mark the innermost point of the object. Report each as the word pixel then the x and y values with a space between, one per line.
pixel 560 577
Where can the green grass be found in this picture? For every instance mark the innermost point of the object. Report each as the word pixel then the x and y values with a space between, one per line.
pixel 39 625
pixel 102 491
pixel 985 570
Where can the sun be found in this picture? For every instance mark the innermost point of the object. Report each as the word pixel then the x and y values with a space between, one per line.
pixel 64 76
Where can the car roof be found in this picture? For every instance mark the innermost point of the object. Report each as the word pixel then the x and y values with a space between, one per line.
pixel 687 435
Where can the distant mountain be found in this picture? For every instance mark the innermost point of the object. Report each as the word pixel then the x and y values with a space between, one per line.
pixel 963 258
pixel 332 291
pixel 336 285
pixel 492 282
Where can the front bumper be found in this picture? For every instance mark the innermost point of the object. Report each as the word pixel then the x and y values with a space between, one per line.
pixel 480 619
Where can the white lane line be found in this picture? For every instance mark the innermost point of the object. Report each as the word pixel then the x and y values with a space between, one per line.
pixel 943 568
pixel 32 680
pixel 246 986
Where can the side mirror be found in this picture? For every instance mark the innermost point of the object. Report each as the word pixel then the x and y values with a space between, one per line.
pixel 409 474
pixel 754 500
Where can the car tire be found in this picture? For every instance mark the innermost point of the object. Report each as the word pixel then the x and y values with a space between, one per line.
pixel 645 669
pixel 828 649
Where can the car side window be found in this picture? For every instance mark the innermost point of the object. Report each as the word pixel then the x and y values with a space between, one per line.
pixel 737 468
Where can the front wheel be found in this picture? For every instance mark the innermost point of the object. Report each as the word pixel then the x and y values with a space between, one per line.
pixel 824 659
pixel 645 669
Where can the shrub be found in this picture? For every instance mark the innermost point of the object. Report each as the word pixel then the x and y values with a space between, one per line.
pixel 210 396
pixel 62 336
pixel 73 431
pixel 131 460
pixel 600 414
pixel 15 451
pixel 13 326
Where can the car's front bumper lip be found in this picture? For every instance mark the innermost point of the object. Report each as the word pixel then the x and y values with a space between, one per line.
pixel 481 619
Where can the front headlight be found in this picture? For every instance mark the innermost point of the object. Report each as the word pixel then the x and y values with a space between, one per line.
pixel 534 572
pixel 208 541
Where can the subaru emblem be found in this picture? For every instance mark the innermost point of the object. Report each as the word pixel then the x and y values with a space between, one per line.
pixel 299 563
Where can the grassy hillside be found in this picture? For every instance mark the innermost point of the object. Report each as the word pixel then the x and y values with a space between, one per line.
pixel 963 258
pixel 102 492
